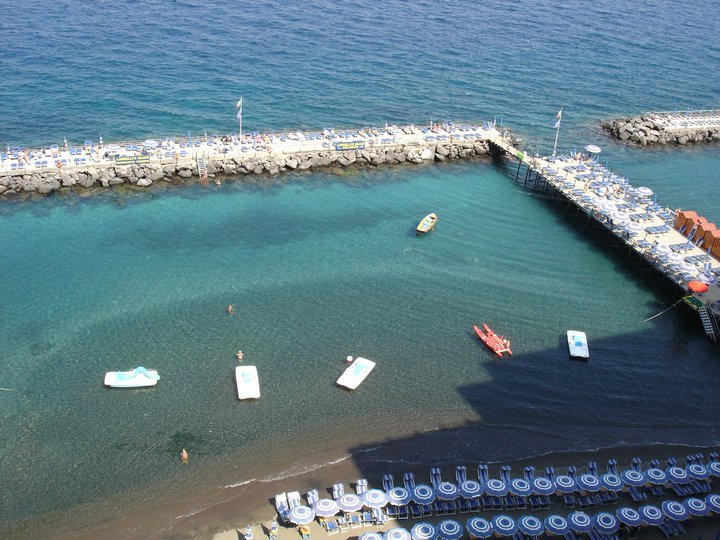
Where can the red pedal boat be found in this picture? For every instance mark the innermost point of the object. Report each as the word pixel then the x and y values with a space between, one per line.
pixel 497 344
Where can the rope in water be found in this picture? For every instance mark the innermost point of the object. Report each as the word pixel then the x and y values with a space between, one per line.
pixel 664 310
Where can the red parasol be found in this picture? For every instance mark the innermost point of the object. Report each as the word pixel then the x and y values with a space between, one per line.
pixel 697 286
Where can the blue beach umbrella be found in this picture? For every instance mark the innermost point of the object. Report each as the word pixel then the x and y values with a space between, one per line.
pixel 326 508
pixel 651 515
pixel 714 468
pixel 542 486
pixel 580 522
pixel 478 527
pixel 520 487
pixel 713 502
pixel 697 471
pixel 423 531
pixel 398 496
pixel 555 524
pixel 675 510
pixel 629 516
pixel 696 507
pixel 371 536
pixel 375 498
pixel 565 483
pixel 656 476
pixel 605 522
pixel 496 488
pixel 423 494
pixel 504 525
pixel 450 529
pixel 447 491
pixel 633 478
pixel 589 482
pixel 470 489
pixel 301 515
pixel 677 475
pixel 350 503
pixel 397 533
pixel 530 525
pixel 611 482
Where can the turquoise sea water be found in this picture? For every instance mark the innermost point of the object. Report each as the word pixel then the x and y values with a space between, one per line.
pixel 324 265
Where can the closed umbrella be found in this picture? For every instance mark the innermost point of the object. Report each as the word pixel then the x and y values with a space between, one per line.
pixel 606 523
pixel 423 531
pixel 656 476
pixel 651 515
pixel 398 496
pixel 397 533
pixel 423 494
pixel 696 507
pixel 496 488
pixel 697 471
pixel 629 516
pixel 530 525
pixel 542 486
pixel 326 508
pixel 449 529
pixel 633 478
pixel 565 484
pixel 520 487
pixel 580 522
pixel 447 491
pixel 713 502
pixel 677 475
pixel 555 524
pixel 478 527
pixel 375 498
pixel 675 510
pixel 611 482
pixel 470 489
pixel 589 482
pixel 301 515
pixel 504 525
pixel 350 503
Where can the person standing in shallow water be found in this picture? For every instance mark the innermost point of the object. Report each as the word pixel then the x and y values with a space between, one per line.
pixel 184 456
pixel 231 309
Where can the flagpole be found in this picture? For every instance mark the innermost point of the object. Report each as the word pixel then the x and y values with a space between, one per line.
pixel 239 117
pixel 557 132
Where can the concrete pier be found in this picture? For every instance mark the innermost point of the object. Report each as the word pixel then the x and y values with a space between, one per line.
pixel 667 127
pixel 25 172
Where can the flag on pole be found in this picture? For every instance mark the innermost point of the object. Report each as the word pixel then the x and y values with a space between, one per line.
pixel 238 106
pixel 559 119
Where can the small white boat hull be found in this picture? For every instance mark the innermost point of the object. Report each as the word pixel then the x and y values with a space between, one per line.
pixel 247 382
pixel 577 344
pixel 135 378
pixel 356 373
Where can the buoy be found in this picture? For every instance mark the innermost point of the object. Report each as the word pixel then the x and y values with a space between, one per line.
pixel 349 359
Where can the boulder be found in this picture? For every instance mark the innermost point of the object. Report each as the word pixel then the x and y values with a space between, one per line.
pixel 378 159
pixel 439 157
pixel 144 182
pixel 426 154
pixel 169 169
pixel 3 189
pixel 400 157
pixel 305 164
pixel 68 180
pixel 291 163
pixel 184 173
pixel 154 175
pixel 683 139
pixel 115 181
pixel 442 150
pixel 258 169
pixel 105 182
pixel 10 193
pixel 48 185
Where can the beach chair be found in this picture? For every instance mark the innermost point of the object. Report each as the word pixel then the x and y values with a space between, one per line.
pixel 388 482
pixel 426 510
pixel 281 505
pixel 379 517
pixel 403 512
pixel 505 474
pixel 293 498
pixel 482 473
pixel 612 467
pixel 460 474
pixel 338 491
pixel 439 508
pixel 572 472
pixel 312 496
pixel 354 521
pixel 343 524
pixel 435 477
pixel 367 517
pixel 529 473
pixel 592 468
pixel 409 481
pixel 361 486
pixel 415 511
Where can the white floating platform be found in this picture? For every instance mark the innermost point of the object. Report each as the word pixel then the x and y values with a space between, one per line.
pixel 356 373
pixel 577 344
pixel 247 382
pixel 135 378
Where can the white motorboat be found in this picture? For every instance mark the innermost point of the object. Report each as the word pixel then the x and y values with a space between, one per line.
pixel 577 344
pixel 135 378
pixel 356 373
pixel 247 382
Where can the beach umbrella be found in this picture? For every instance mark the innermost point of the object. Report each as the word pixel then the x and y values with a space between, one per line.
pixel 423 531
pixel 662 249
pixel 397 533
pixel 714 468
pixel 656 476
pixel 675 510
pixel 447 491
pixel 326 508
pixel 644 191
pixel 496 488
pixel 375 498
pixel 371 536
pixel 150 143
pixel 580 522
pixel 588 482
pixel 470 489
pixel 520 487
pixel 530 525
pixel 697 507
pixel 450 529
pixel 478 527
pixel 504 525
pixel 633 478
pixel 301 515
pixel 423 494
pixel 542 486
pixel 629 516
pixel 398 496
pixel 706 278
pixel 350 503
pixel 677 475
pixel 620 218
pixel 697 471
pixel 565 483
pixel 611 482
pixel 651 515
pixel 698 287
pixel 606 523
pixel 634 227
pixel 689 268
pixel 555 524
pixel 713 502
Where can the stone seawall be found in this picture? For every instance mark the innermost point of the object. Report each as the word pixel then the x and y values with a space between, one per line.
pixel 653 129
pixel 179 170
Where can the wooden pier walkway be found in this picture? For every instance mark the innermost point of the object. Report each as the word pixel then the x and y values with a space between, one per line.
pixel 678 121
